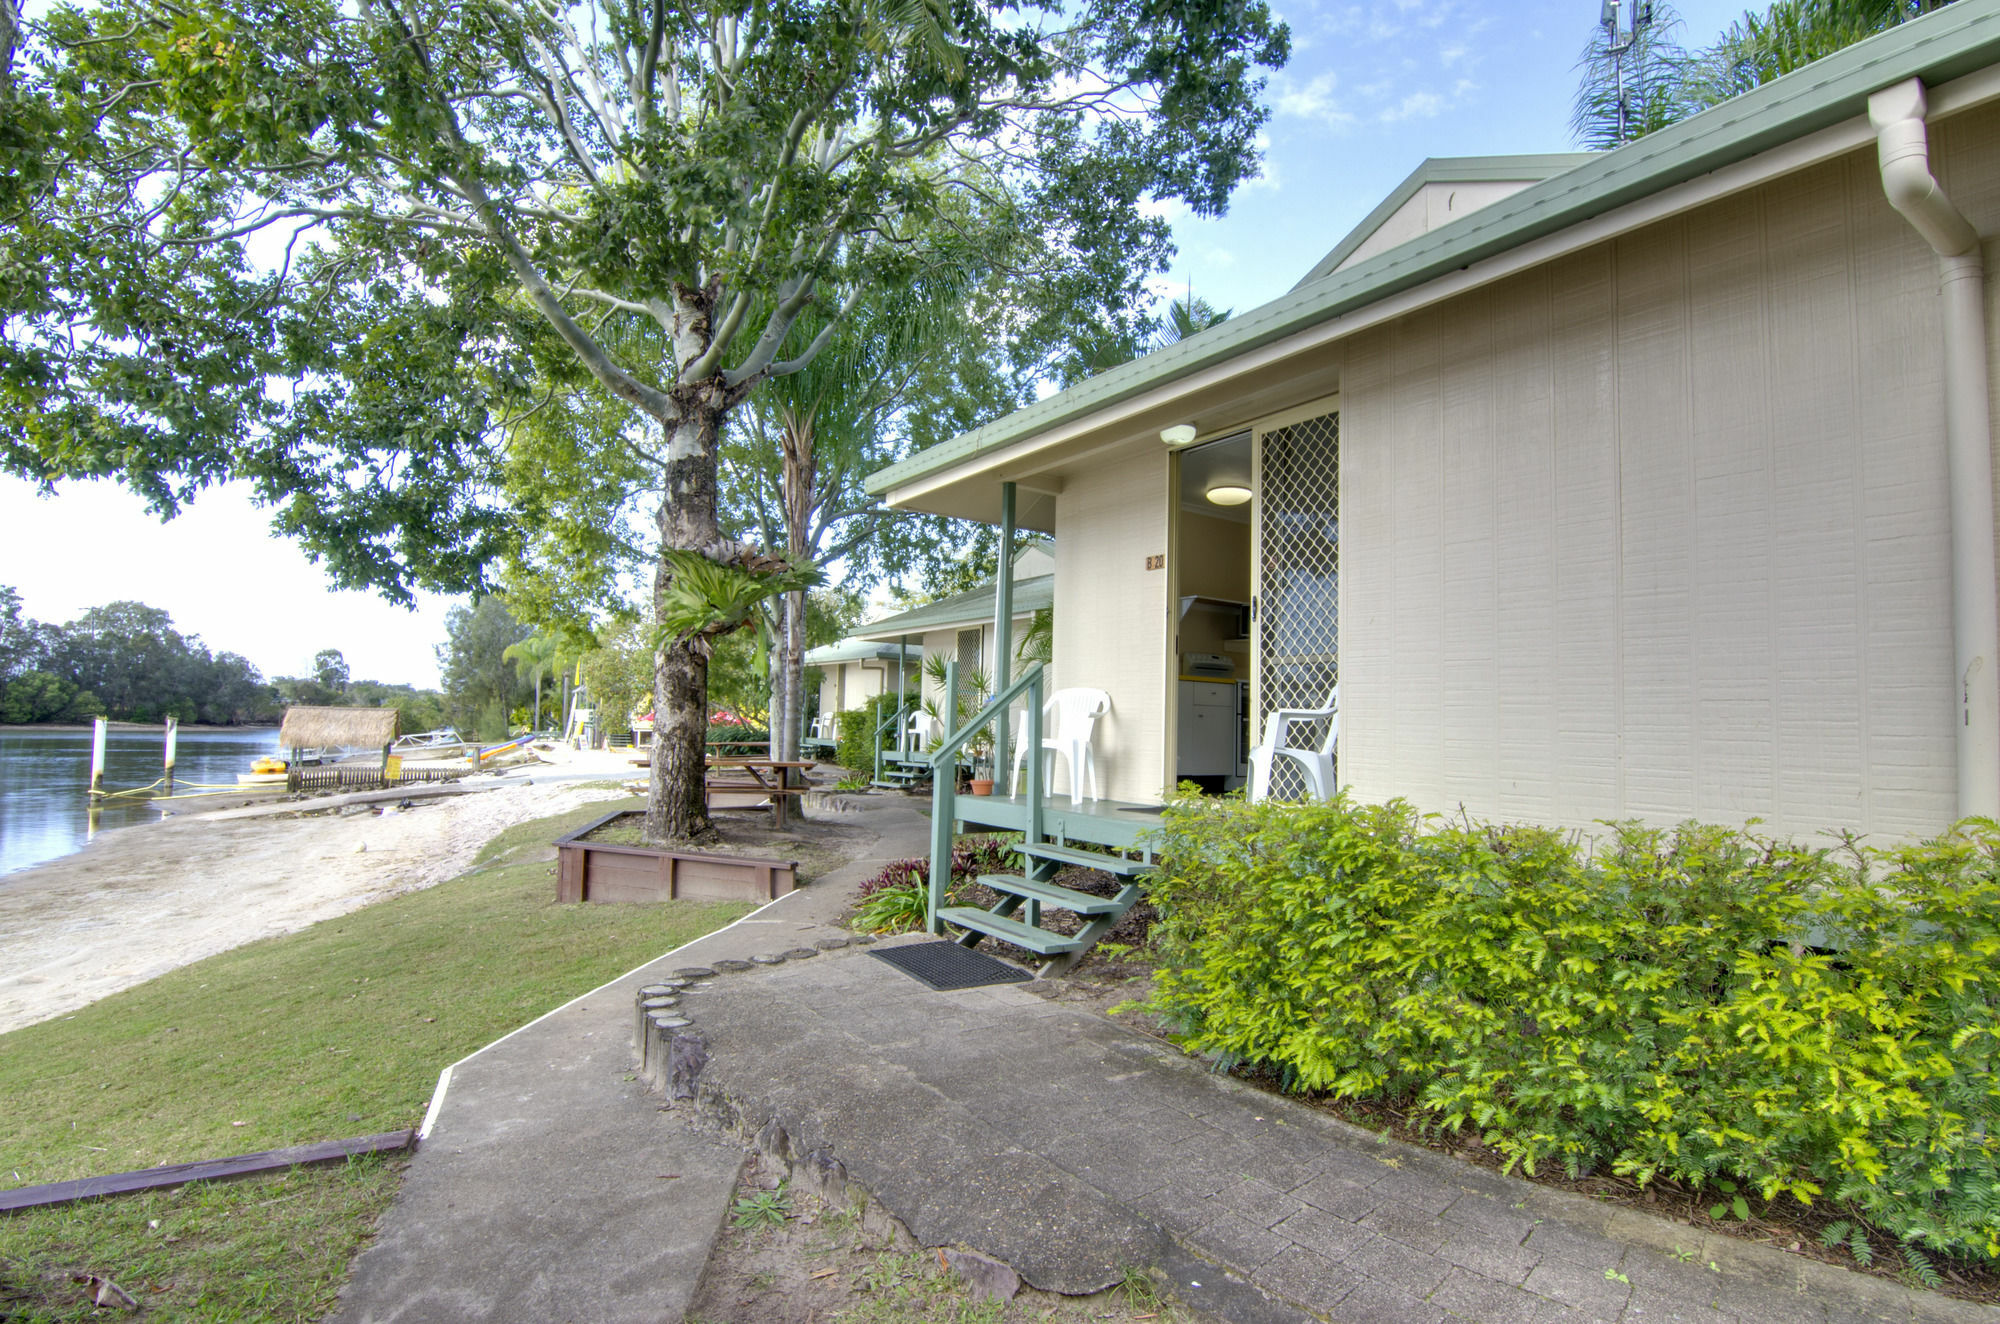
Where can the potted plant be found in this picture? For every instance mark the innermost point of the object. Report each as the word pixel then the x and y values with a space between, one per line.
pixel 982 763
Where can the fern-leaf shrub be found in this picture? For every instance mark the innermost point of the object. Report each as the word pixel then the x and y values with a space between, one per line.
pixel 896 900
pixel 1699 1003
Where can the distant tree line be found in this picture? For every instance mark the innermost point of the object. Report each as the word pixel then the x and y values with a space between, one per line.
pixel 127 662
pixel 124 661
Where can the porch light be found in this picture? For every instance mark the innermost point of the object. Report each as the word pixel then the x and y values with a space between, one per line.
pixel 1228 494
pixel 1180 434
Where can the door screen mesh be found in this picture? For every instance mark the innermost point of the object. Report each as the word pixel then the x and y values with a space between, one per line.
pixel 1298 580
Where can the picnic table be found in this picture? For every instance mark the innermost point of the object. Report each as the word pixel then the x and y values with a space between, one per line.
pixel 771 779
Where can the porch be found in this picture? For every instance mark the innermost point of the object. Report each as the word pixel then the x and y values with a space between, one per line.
pixel 1118 824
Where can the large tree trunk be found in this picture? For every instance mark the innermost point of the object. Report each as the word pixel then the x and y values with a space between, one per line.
pixel 676 810
pixel 791 670
pixel 798 474
pixel 781 702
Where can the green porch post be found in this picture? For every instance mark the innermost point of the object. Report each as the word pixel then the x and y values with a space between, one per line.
pixel 1003 625
pixel 944 791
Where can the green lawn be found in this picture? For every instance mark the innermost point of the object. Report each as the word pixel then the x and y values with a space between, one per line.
pixel 338 1030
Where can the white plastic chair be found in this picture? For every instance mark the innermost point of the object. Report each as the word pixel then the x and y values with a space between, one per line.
pixel 1068 719
pixel 1315 765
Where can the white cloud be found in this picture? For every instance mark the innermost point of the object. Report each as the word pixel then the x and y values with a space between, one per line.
pixel 1421 105
pixel 1314 100
pixel 1170 210
pixel 1452 54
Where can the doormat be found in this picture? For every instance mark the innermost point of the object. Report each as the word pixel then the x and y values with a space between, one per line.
pixel 946 965
pixel 1143 809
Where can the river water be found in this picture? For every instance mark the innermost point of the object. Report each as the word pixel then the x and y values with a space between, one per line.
pixel 45 781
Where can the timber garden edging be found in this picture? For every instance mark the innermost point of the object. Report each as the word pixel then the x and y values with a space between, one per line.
pixel 608 872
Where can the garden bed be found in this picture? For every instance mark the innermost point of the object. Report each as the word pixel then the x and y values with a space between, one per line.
pixel 608 861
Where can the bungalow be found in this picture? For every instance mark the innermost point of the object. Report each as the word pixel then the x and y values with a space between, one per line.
pixel 884 655
pixel 1649 484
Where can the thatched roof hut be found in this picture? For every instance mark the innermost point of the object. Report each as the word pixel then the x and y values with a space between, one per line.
pixel 324 728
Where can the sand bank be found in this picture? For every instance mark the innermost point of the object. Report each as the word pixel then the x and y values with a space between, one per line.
pixel 140 901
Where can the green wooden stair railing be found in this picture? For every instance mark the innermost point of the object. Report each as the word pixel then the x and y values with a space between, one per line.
pixel 1028 892
pixel 893 723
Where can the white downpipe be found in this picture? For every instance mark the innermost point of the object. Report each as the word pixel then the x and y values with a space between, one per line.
pixel 1898 116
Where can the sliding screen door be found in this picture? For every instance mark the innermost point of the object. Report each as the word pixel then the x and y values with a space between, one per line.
pixel 1298 577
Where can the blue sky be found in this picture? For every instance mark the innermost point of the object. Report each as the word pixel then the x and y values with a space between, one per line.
pixel 1372 89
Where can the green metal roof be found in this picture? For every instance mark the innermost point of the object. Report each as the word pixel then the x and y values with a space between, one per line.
pixel 967 609
pixel 848 650
pixel 1938 47
pixel 1446 170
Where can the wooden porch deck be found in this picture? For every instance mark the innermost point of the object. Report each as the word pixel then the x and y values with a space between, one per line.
pixel 1116 823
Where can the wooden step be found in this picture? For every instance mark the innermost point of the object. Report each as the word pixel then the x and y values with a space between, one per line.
pixel 1049 894
pixel 1111 864
pixel 1010 930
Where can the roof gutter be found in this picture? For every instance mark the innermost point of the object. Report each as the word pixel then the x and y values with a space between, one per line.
pixel 1902 144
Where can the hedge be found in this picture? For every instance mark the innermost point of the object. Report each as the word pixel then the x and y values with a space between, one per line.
pixel 1700 1004
pixel 853 749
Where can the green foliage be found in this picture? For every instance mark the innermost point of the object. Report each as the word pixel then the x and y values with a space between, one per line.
pixel 124 660
pixel 897 899
pixel 901 908
pixel 762 1208
pixel 707 598
pixel 974 688
pixel 1664 83
pixel 1789 35
pixel 1653 76
pixel 856 742
pixel 1699 1004
pixel 481 684
pixel 36 696
pixel 618 673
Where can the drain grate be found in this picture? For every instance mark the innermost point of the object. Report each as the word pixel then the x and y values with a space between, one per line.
pixel 946 965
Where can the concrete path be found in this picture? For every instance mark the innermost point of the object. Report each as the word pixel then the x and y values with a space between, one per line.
pixel 553 1187
pixel 549 1187
pixel 1069 1147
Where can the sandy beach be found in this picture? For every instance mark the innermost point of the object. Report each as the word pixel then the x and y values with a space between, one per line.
pixel 143 900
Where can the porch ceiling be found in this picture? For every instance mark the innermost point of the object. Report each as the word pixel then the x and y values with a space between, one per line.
pixel 1040 465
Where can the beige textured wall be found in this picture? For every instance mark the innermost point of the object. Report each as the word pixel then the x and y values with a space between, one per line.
pixel 1659 530
pixel 848 685
pixel 1111 616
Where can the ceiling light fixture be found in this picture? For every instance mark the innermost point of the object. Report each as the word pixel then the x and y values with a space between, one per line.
pixel 1180 434
pixel 1228 494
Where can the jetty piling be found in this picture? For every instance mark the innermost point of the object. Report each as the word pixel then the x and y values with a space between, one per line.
pixel 97 730
pixel 173 742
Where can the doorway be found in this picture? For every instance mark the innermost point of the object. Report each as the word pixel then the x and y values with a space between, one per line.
pixel 1211 557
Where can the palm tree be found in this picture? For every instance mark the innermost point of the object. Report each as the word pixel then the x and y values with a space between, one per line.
pixel 1662 83
pixel 1187 317
pixel 1790 35
pixel 539 653
pixel 1636 80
